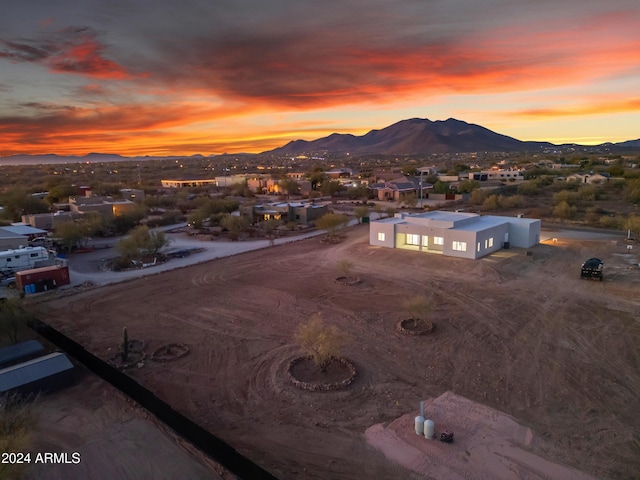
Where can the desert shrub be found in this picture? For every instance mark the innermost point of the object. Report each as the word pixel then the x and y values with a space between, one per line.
pixel 565 196
pixel 478 197
pixel 320 341
pixel 564 210
pixel 418 308
pixel 612 222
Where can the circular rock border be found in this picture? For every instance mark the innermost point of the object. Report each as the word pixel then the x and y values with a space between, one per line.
pixel 322 387
pixel 348 281
pixel 400 326
pixel 164 349
pixel 135 358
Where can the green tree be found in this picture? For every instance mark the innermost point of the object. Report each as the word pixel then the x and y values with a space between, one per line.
pixel 142 241
pixel 70 234
pixel 61 193
pixel 441 187
pixel 468 186
pixel 320 341
pixel 289 186
pixel 234 225
pixel 331 187
pixel 360 213
pixel 332 223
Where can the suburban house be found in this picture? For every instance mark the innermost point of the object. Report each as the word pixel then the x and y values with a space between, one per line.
pixel 455 234
pixel 284 211
pixel 48 221
pixel 188 182
pixel 590 178
pixel 399 188
pixel 501 175
pixel 103 205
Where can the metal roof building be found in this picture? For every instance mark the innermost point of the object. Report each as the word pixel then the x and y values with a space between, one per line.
pixel 20 352
pixel 43 374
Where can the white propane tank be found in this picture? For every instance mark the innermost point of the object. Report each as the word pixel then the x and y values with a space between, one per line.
pixel 419 423
pixel 429 429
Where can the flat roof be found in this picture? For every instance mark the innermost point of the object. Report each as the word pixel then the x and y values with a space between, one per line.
pixel 482 223
pixel 24 230
pixel 33 370
pixel 19 350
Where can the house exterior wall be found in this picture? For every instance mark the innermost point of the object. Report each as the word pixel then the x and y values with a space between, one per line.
pixel 460 235
pixel 387 229
pixel 524 232
pixel 466 237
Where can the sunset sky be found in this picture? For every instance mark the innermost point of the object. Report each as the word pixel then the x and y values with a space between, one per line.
pixel 164 77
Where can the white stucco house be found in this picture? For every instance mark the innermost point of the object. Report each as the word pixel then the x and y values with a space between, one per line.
pixel 455 234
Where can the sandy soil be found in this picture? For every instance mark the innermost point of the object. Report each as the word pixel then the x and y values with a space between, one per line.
pixel 114 438
pixel 519 333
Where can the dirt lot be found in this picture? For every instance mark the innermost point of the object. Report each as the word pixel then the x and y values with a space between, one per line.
pixel 519 333
pixel 113 437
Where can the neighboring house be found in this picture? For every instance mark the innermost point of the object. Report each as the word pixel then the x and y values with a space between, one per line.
pixel 399 188
pixel 189 182
pixel 454 234
pixel 24 230
pixel 48 221
pixel 590 178
pixel 104 205
pixel 339 173
pixel 285 212
pixel 11 240
pixel 486 175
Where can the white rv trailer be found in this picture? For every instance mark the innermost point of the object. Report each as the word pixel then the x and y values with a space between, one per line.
pixel 24 258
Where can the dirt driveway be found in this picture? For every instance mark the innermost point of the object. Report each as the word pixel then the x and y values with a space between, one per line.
pixel 520 333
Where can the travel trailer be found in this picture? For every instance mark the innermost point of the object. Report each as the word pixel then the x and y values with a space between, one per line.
pixel 23 259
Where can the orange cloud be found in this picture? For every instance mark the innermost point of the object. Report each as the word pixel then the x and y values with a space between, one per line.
pixel 599 107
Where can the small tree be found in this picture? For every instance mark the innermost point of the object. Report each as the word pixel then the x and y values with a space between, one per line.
pixel 346 267
pixel 332 223
pixel 269 227
pixel 360 213
pixel 633 225
pixel 234 225
pixel 320 341
pixel 410 200
pixel 418 308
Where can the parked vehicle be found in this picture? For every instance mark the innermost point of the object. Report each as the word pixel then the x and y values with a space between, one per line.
pixel 24 258
pixel 9 282
pixel 592 268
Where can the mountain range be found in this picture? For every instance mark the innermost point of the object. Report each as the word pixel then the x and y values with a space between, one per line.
pixel 415 136
pixel 423 136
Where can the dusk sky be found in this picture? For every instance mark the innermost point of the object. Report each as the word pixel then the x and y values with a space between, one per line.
pixel 162 77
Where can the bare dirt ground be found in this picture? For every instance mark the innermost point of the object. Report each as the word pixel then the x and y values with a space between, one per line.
pixel 113 437
pixel 522 334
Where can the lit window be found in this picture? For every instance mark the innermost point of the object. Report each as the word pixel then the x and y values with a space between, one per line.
pixel 491 242
pixel 380 237
pixel 486 243
pixel 460 246
pixel 425 241
pixel 478 246
pixel 438 240
pixel 413 239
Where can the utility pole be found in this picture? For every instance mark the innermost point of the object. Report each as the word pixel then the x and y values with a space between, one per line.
pixel 421 189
